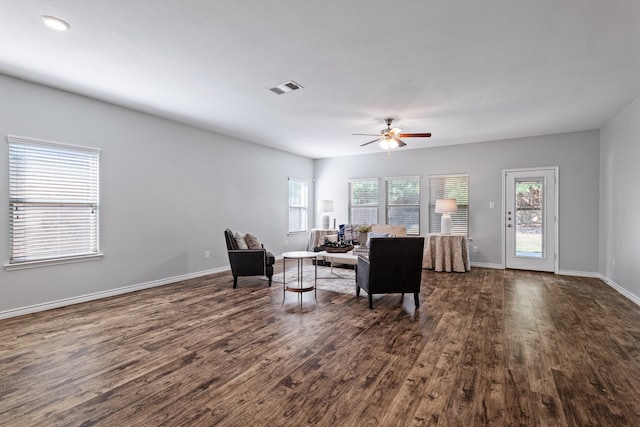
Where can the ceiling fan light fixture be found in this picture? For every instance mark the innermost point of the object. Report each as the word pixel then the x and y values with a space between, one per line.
pixel 389 138
pixel 388 144
pixel 55 23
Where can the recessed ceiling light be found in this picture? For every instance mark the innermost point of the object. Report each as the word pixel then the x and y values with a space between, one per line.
pixel 55 23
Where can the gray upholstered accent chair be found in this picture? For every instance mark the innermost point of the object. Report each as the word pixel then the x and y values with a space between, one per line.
pixel 393 265
pixel 248 262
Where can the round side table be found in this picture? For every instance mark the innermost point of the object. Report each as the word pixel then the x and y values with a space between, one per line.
pixel 299 256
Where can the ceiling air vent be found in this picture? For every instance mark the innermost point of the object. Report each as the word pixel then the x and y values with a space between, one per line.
pixel 285 87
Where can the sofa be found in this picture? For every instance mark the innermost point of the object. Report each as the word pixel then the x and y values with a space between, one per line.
pixel 349 233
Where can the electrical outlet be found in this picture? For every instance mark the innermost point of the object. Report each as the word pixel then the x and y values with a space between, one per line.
pixel 207 254
pixel 475 249
pixel 286 242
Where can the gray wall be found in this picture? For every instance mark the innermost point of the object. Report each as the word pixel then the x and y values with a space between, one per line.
pixel 167 193
pixel 168 190
pixel 576 154
pixel 619 202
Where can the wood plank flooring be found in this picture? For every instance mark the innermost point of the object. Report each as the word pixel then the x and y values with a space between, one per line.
pixel 486 348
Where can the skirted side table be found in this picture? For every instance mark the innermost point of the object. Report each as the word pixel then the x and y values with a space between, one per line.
pixel 446 252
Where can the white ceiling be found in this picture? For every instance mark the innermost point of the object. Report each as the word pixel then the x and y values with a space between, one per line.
pixel 465 70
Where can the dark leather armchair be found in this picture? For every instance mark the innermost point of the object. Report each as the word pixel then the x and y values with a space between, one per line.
pixel 248 262
pixel 394 265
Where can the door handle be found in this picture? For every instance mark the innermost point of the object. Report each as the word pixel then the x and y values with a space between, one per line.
pixel 509 225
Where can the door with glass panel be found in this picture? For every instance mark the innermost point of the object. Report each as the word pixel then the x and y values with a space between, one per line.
pixel 530 219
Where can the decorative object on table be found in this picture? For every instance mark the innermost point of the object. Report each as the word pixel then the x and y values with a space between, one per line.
pixel 336 247
pixel 248 259
pixel 317 236
pixel 348 233
pixel 363 233
pixel 394 265
pixel 325 206
pixel 446 207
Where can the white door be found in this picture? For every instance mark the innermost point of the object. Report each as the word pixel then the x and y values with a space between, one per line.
pixel 530 219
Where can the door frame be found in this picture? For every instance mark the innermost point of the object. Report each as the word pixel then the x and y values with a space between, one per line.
pixel 556 172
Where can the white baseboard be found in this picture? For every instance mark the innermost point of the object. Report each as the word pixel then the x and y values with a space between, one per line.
pixel 487 265
pixel 104 294
pixel 620 289
pixel 578 273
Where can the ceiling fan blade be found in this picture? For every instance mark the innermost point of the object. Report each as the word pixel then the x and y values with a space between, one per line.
pixel 400 143
pixel 366 134
pixel 370 142
pixel 415 135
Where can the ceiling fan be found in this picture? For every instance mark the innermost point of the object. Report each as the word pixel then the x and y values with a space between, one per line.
pixel 390 137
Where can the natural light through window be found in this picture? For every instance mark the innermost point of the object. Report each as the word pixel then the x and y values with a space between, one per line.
pixel 53 201
pixel 529 218
pixel 298 205
pixel 449 187
pixel 403 203
pixel 363 201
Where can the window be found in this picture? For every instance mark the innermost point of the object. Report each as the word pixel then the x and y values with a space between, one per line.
pixel 450 187
pixel 363 201
pixel 298 205
pixel 53 201
pixel 403 203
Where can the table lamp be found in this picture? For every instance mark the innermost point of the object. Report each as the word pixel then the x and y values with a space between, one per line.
pixel 445 207
pixel 325 206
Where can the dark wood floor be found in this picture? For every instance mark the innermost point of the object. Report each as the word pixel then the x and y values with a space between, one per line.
pixel 489 347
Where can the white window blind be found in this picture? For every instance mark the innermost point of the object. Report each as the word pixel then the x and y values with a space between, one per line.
pixel 363 201
pixel 450 187
pixel 53 200
pixel 298 205
pixel 403 203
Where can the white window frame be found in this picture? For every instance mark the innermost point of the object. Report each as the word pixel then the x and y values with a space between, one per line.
pixel 411 231
pixel 355 219
pixel 439 188
pixel 53 203
pixel 301 205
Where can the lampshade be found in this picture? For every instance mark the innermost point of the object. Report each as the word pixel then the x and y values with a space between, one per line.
pixel 446 205
pixel 325 205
